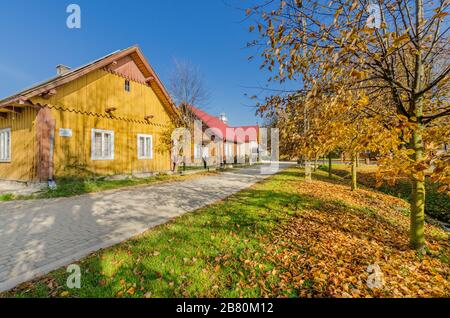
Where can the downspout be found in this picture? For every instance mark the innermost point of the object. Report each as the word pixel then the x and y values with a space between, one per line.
pixel 51 181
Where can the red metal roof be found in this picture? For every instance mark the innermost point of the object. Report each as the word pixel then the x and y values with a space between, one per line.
pixel 223 131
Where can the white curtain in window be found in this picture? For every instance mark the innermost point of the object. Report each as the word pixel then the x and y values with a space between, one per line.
pixel 102 144
pixel 5 144
pixel 145 147
pixel 98 145
pixel 148 147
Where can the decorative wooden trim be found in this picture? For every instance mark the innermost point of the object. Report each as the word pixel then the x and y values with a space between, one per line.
pixel 48 94
pixel 13 109
pixel 134 52
pixel 125 77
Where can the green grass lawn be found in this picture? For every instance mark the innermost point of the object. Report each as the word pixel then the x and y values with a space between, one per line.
pixel 198 254
pixel 190 168
pixel 275 239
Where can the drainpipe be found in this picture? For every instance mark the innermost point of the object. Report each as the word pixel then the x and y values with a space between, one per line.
pixel 51 182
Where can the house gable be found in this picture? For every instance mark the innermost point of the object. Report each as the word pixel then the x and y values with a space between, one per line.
pixel 127 68
pixel 129 63
pixel 101 94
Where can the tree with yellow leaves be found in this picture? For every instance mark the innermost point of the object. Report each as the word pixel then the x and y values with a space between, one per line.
pixel 394 52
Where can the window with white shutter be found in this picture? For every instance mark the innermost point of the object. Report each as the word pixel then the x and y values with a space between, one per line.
pixel 145 146
pixel 102 144
pixel 5 145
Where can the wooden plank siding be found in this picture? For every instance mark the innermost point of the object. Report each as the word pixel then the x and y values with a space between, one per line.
pixel 81 106
pixel 22 166
pixel 91 95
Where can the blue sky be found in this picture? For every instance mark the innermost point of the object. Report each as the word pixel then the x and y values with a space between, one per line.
pixel 209 33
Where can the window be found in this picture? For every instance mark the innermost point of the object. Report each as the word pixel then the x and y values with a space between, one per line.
pixel 5 145
pixel 197 151
pixel 254 147
pixel 102 144
pixel 145 147
pixel 228 150
pixel 127 85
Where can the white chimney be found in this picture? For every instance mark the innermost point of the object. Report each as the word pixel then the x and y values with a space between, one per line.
pixel 223 118
pixel 62 69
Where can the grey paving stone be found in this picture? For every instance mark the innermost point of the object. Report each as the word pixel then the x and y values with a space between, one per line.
pixel 38 236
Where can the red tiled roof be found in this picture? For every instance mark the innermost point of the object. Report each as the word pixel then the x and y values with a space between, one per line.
pixel 223 131
pixel 250 133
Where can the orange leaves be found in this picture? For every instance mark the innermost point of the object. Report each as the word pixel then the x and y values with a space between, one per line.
pixel 357 74
pixel 440 15
pixel 326 251
pixel 64 294
pixel 363 101
pixel 400 40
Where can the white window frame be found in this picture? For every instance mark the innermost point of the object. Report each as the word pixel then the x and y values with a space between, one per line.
pixel 145 136
pixel 127 85
pixel 8 132
pixel 229 151
pixel 103 132
pixel 198 151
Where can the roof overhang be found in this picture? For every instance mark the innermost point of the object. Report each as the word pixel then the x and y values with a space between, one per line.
pixel 47 88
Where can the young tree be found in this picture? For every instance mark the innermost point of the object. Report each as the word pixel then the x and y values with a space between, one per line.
pixel 187 87
pixel 395 51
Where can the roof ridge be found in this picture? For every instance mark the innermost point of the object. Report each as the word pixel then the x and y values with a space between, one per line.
pixel 71 71
pixel 134 51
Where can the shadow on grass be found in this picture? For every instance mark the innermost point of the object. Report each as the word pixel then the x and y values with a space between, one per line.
pixel 203 253
pixel 437 203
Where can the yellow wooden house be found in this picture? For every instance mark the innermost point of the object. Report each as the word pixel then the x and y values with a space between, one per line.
pixel 106 118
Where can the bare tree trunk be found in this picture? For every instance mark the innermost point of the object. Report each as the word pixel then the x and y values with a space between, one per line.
pixel 354 171
pixel 417 236
pixel 307 170
pixel 305 114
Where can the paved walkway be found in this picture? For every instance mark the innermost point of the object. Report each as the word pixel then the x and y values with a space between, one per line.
pixel 42 235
